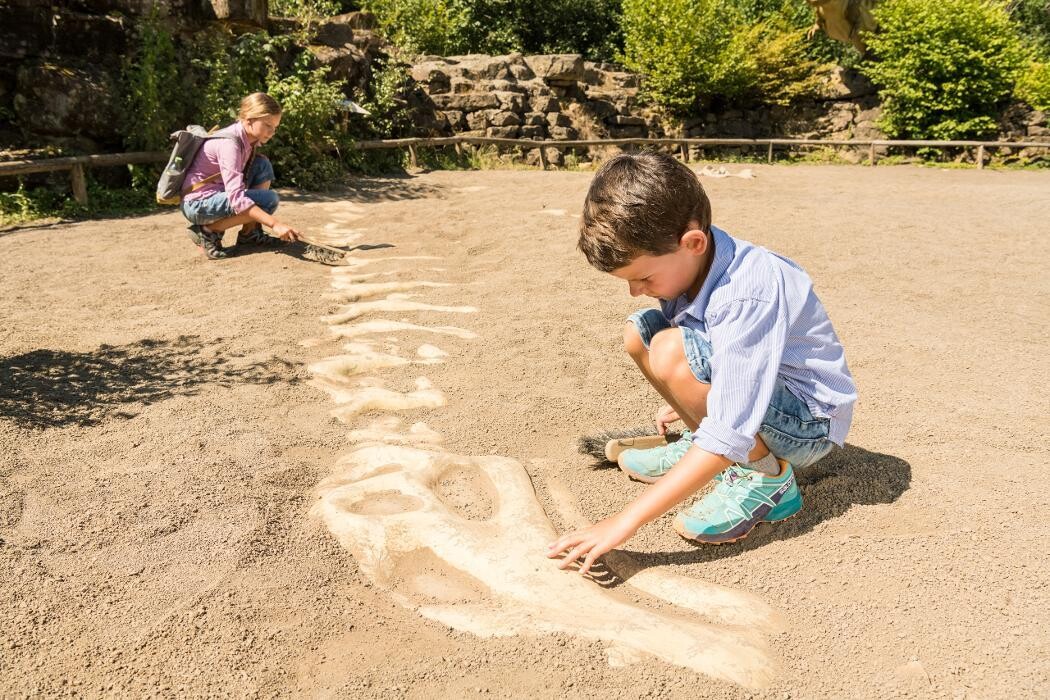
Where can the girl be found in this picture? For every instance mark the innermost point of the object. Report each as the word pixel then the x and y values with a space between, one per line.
pixel 228 184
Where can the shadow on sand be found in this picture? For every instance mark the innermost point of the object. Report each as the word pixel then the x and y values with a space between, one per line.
pixel 55 388
pixel 846 477
pixel 386 188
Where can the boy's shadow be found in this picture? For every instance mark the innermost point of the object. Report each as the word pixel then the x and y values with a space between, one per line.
pixel 846 477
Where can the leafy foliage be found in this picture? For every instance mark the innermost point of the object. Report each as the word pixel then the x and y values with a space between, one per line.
pixel 1033 18
pixel 1033 85
pixel 942 67
pixel 695 51
pixel 447 27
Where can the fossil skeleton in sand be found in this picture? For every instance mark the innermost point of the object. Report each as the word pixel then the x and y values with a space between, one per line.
pixel 486 572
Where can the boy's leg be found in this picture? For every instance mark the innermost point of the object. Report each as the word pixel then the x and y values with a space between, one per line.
pixel 638 351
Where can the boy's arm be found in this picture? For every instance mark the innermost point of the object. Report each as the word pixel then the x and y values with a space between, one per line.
pixel 695 469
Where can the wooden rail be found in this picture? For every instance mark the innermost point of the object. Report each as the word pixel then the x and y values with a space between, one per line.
pixel 76 164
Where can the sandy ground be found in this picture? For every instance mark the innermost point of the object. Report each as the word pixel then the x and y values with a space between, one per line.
pixel 161 446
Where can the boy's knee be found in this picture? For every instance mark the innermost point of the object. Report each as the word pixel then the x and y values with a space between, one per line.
pixel 632 341
pixel 667 354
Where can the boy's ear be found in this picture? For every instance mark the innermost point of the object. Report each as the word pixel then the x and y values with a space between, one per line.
pixel 695 241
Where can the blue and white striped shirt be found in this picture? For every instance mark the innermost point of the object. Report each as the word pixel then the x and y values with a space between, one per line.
pixel 763 320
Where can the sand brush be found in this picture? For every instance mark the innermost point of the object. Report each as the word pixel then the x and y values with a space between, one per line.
pixel 319 252
pixel 607 446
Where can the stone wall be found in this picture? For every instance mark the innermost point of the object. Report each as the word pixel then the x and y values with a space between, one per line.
pixel 60 62
pixel 563 97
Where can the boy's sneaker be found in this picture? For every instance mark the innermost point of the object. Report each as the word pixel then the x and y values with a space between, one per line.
pixel 194 232
pixel 741 500
pixel 256 237
pixel 649 465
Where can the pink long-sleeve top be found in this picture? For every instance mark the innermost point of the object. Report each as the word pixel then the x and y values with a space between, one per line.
pixel 228 157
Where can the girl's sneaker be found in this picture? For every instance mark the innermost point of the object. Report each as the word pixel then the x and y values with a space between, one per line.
pixel 255 236
pixel 649 465
pixel 741 500
pixel 211 244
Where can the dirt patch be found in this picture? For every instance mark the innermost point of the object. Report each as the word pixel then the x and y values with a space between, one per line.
pixel 161 447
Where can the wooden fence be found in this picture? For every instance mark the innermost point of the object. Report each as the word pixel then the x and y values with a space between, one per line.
pixel 76 164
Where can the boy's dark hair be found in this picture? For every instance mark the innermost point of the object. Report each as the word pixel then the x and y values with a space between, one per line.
pixel 640 205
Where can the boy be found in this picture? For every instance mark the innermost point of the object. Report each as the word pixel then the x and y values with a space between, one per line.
pixel 741 349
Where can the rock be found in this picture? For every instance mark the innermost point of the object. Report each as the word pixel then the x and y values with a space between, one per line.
pixel 1036 118
pixel 621 120
pixel 557 68
pixel 531 131
pixel 558 119
pixel 869 115
pixel 102 38
pixel 521 71
pixel 25 29
pixel 1038 131
pixel 504 86
pixel 455 119
pixel 469 102
pixel 626 132
pixel 602 109
pixel 482 67
pixel 504 119
pixel 511 101
pixel 253 12
pixel 346 65
pixel 867 130
pixel 503 132
pixel 545 103
pixel 433 81
pixel 478 121
pixel 562 133
pixel 554 156
pixel 67 100
pixel 461 86
pixel 535 119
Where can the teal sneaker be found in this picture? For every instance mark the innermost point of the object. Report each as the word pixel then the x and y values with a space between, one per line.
pixel 649 465
pixel 741 500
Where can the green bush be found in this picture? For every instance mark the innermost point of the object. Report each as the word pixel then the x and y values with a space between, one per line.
pixel 1033 16
pixel 942 67
pixel 1033 85
pixel 693 52
pixel 449 27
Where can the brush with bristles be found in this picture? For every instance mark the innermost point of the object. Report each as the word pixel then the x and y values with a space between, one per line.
pixel 607 446
pixel 319 252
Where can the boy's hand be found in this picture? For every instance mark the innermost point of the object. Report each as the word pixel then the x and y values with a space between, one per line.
pixel 592 542
pixel 664 417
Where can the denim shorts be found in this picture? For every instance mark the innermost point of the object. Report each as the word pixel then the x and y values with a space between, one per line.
pixel 217 206
pixel 789 429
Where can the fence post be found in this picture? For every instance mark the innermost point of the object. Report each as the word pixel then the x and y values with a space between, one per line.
pixel 543 157
pixel 770 151
pixel 980 157
pixel 412 156
pixel 459 150
pixel 871 155
pixel 684 148
pixel 79 183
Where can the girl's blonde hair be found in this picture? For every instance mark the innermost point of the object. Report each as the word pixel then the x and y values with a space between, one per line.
pixel 258 105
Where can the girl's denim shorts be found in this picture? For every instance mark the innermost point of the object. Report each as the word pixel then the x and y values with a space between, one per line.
pixel 789 429
pixel 217 206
